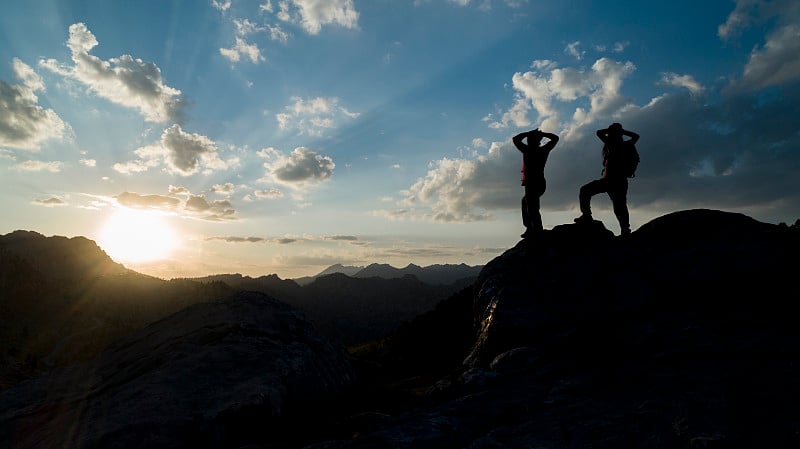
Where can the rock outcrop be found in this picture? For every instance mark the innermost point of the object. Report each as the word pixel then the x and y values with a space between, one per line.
pixel 682 335
pixel 217 374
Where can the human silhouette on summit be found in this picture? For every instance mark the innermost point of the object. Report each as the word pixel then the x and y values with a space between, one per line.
pixel 534 158
pixel 616 170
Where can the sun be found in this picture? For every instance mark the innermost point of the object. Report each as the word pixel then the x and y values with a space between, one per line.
pixel 137 236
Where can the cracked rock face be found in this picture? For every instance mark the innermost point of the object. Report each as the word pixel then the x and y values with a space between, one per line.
pixel 202 376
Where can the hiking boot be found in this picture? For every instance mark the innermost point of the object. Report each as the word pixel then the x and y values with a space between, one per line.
pixel 625 232
pixel 583 219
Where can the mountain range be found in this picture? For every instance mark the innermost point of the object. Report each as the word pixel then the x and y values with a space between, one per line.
pixel 680 335
pixel 438 274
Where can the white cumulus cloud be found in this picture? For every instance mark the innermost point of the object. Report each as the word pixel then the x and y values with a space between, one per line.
pixel 24 124
pixel 126 81
pixel 183 153
pixel 312 15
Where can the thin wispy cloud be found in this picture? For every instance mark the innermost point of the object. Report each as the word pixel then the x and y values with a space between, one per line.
pixel 40 166
pixel 313 116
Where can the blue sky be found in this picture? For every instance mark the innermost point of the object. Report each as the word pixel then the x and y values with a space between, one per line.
pixel 261 137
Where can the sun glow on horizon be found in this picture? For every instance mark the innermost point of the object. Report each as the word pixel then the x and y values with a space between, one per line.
pixel 137 236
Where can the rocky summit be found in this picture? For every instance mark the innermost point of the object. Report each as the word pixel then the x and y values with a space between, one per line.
pixel 681 335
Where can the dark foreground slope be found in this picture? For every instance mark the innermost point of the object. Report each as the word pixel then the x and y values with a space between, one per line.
pixel 682 336
pixel 245 369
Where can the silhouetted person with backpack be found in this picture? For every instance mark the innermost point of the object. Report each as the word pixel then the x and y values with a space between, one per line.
pixel 619 162
pixel 534 158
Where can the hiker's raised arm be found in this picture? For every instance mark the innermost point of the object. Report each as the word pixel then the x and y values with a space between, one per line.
pixel 550 136
pixel 603 134
pixel 522 146
pixel 634 137
pixel 552 140
pixel 518 141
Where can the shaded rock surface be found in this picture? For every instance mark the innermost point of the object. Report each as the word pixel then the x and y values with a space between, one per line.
pixel 682 335
pixel 217 374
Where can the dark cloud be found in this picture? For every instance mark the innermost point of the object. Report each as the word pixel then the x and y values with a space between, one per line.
pixel 50 202
pixel 302 167
pixel 342 237
pixel 233 239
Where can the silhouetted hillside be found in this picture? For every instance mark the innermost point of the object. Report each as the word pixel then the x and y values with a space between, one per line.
pixel 63 300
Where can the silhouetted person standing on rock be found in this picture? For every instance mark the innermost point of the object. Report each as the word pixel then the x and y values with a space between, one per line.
pixel 534 157
pixel 615 176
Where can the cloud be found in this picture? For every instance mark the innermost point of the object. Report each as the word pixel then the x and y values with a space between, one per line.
pixel 183 153
pixel 242 48
pixel 137 201
pixel 223 189
pixel 775 62
pixel 548 89
pixel 24 124
pixel 195 206
pixel 348 238
pixel 218 210
pixel 619 47
pixel 126 81
pixel 52 166
pixel 301 168
pixel 177 190
pixel 88 162
pixel 236 239
pixel 462 189
pixel 573 50
pixel 313 116
pixel 312 15
pixel 738 19
pixel 221 5
pixel 685 81
pixel 268 194
pixel 49 202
